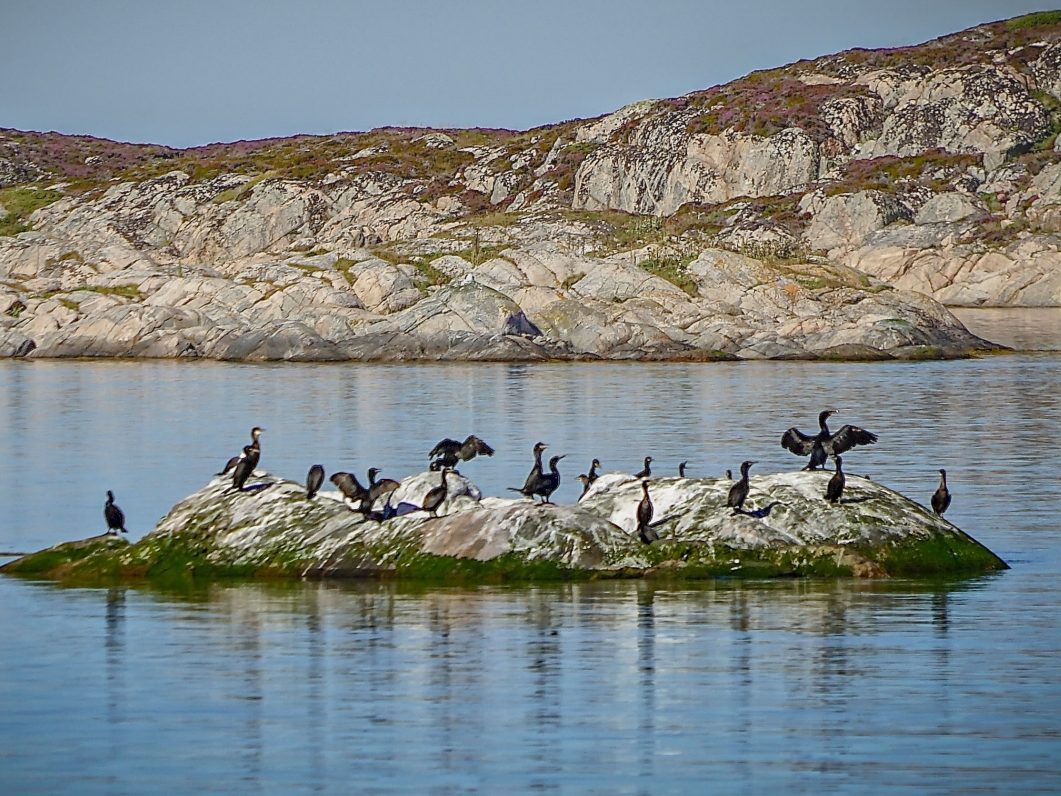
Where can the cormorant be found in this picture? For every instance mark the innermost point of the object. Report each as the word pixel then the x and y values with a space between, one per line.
pixel 449 451
pixel 434 498
pixel 647 472
pixel 593 475
pixel 584 480
pixel 534 477
pixel 644 517
pixel 940 498
pixel 115 516
pixel 314 479
pixel 681 469
pixel 256 432
pixel 738 493
pixel 245 466
pixel 377 489
pixel 823 444
pixel 729 475
pixel 548 483
pixel 351 488
pixel 836 483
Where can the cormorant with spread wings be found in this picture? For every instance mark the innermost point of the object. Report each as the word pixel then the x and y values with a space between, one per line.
pixel 823 444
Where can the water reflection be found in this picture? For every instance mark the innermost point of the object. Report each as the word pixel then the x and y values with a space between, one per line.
pixel 622 685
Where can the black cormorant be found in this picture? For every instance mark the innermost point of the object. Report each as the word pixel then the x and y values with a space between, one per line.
pixel 549 481
pixel 450 451
pixel 314 479
pixel 940 498
pixel 644 517
pixel 738 493
pixel 534 477
pixel 729 475
pixel 115 516
pixel 434 498
pixel 681 469
pixel 836 483
pixel 351 488
pixel 593 475
pixel 648 469
pixel 377 489
pixel 256 432
pixel 823 444
pixel 245 467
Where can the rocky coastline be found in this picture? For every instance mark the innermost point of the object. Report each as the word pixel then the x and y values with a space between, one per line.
pixel 824 209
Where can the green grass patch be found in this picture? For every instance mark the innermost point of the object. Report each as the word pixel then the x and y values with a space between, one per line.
pixel 242 191
pixel 343 265
pixel 1037 19
pixel 20 202
pixel 674 270
pixel 123 291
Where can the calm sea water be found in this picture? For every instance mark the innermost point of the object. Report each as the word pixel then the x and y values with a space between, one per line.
pixel 939 687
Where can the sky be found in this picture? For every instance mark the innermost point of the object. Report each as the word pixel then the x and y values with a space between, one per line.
pixel 192 72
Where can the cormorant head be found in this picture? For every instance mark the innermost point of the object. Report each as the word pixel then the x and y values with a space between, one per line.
pixel 373 472
pixel 110 495
pixel 596 463
pixel 583 479
pixel 644 485
pixel 648 459
pixel 839 462
pixel 825 415
pixel 539 447
pixel 729 474
pixel 554 460
pixel 745 466
pixel 941 472
pixel 256 432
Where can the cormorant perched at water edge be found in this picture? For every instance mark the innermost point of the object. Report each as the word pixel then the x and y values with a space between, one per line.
pixel 245 466
pixel 383 486
pixel 648 469
pixel 836 483
pixel 940 498
pixel 823 444
pixel 584 480
pixel 256 432
pixel 115 516
pixel 351 488
pixel 549 481
pixel 534 477
pixel 434 498
pixel 645 511
pixel 593 475
pixel 681 469
pixel 314 479
pixel 738 493
pixel 449 451
pixel 729 475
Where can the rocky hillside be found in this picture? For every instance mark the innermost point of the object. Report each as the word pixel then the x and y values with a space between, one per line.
pixel 808 210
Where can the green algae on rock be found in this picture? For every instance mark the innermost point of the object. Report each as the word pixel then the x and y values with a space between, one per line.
pixel 788 529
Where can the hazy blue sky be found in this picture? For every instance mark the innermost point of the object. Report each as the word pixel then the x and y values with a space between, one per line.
pixel 196 71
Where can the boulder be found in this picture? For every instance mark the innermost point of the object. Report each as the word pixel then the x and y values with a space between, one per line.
pixel 786 528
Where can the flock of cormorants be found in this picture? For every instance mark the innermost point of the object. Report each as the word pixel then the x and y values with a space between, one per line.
pixel 540 483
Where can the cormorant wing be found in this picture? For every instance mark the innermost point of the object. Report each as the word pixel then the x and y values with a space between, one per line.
pixel 479 446
pixel 798 442
pixel 444 446
pixel 847 438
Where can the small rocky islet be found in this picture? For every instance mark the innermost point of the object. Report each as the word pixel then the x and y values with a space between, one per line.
pixel 270 529
pixel 824 209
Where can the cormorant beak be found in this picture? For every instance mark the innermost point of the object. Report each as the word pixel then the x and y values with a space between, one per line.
pixel 558 458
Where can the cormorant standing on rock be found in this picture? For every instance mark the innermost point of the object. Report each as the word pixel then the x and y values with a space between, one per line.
pixel 836 483
pixel 449 451
pixel 584 480
pixel 256 432
pixel 593 475
pixel 377 489
pixel 245 466
pixel 647 472
pixel 823 444
pixel 738 493
pixel 351 489
pixel 940 498
pixel 530 486
pixel 644 517
pixel 115 516
pixel 681 469
pixel 729 475
pixel 549 481
pixel 434 498
pixel 314 479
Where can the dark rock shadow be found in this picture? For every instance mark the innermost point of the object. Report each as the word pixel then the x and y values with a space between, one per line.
pixel 864 499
